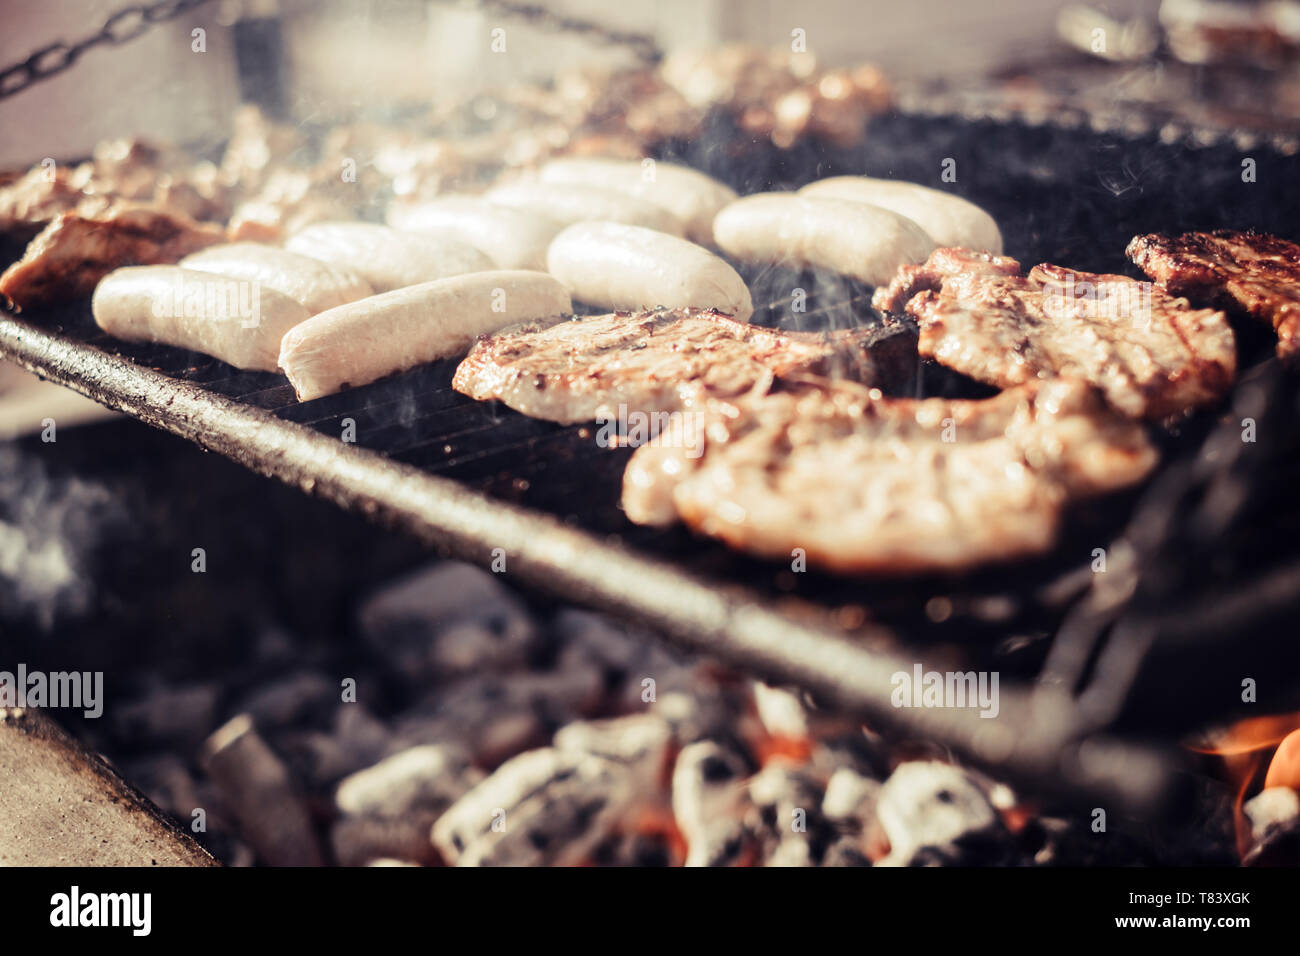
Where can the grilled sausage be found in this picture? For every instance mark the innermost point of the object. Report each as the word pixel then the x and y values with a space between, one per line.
pixel 366 340
pixel 317 285
pixel 384 257
pixel 949 220
pixel 239 321
pixel 850 238
pixel 613 266
pixel 688 194
pixel 513 238
pixel 567 204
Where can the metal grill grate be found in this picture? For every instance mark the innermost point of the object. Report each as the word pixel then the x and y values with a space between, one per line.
pixel 470 478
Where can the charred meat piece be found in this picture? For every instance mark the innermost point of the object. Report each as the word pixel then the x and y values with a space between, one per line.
pixel 74 252
pixel 1149 353
pixel 1256 273
pixel 662 360
pixel 865 484
pixel 122 170
pixel 32 200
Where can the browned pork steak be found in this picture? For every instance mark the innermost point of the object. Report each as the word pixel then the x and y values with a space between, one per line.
pixel 864 484
pixel 1256 273
pixel 662 360
pixel 1149 353
pixel 69 257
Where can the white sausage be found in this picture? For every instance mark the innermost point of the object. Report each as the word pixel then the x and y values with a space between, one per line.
pixel 568 204
pixel 317 285
pixel 687 193
pixel 236 320
pixel 850 238
pixel 366 340
pixel 613 266
pixel 384 257
pixel 513 238
pixel 950 220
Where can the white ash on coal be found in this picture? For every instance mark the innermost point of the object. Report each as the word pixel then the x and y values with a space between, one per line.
pixel 257 786
pixel 485 731
pixel 934 813
pixel 1274 815
pixel 545 807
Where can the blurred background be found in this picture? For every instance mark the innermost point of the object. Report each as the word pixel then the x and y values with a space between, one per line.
pixel 343 55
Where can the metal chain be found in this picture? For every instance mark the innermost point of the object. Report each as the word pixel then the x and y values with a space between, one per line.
pixel 130 22
pixel 121 27
pixel 644 46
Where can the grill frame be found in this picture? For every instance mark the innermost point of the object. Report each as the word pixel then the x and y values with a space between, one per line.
pixel 1040 739
pixel 1039 743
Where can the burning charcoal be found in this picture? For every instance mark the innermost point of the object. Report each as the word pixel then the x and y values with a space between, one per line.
pixel 850 798
pixel 781 711
pixel 670 674
pixel 357 841
pixel 845 851
pixel 317 759
pixel 709 805
pixel 933 814
pixel 787 714
pixel 544 807
pixel 421 780
pixel 693 716
pixel 255 784
pixel 599 639
pixel 448 620
pixel 640 742
pixel 863 754
pixel 497 716
pixel 1272 808
pixel 1275 827
pixel 359 732
pixel 321 759
pixel 491 737
pixel 634 849
pixel 788 805
pixel 561 693
pixel 180 716
pixel 307 697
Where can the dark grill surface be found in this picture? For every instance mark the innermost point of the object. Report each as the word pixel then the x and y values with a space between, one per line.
pixel 1071 196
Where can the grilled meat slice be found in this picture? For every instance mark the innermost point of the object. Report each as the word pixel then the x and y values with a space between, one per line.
pixel 662 360
pixel 74 252
pixel 122 170
pixel 1256 273
pixel 1151 354
pixel 32 200
pixel 865 484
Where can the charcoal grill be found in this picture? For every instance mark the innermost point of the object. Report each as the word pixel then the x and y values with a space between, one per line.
pixel 1106 669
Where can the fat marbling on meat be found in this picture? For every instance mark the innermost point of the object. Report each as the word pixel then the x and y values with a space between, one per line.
pixel 1150 354
pixel 867 484
pixel 1256 273
pixel 661 361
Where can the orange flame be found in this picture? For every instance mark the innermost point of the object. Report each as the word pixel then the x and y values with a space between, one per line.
pixel 1244 748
